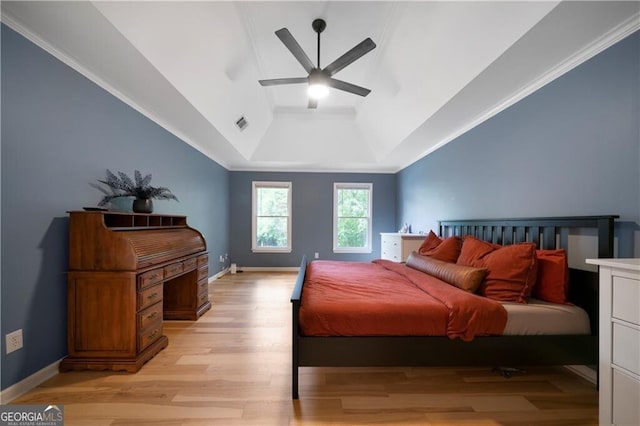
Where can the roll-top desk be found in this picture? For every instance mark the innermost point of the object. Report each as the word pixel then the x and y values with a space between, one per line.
pixel 128 272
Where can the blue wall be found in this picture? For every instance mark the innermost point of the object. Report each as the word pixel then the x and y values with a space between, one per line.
pixel 60 132
pixel 571 148
pixel 312 205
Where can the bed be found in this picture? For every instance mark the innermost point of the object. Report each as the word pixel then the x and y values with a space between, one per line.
pixel 395 349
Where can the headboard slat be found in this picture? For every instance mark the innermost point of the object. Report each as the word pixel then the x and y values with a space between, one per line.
pixel 508 235
pixel 549 238
pixel 534 235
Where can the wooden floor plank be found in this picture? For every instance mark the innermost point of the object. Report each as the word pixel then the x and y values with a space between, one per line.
pixel 232 367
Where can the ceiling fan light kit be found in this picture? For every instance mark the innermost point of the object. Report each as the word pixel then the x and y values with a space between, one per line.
pixel 318 88
pixel 320 79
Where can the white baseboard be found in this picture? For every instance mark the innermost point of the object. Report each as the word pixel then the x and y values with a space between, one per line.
pixel 269 269
pixel 222 273
pixel 25 385
pixel 585 372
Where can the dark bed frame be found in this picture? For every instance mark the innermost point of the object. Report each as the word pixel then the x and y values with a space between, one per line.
pixel 490 351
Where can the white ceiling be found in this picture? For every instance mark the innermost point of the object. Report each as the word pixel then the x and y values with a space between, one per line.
pixel 439 69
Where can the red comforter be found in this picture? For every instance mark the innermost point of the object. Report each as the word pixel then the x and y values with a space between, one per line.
pixel 385 298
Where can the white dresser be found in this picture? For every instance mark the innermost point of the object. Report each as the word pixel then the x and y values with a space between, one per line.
pixel 397 247
pixel 619 325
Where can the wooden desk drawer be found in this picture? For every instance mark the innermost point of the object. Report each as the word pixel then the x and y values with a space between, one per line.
pixel 149 278
pixel 202 298
pixel 189 264
pixel 150 335
pixel 203 260
pixel 203 273
pixel 626 347
pixel 203 286
pixel 149 296
pixel 626 293
pixel 149 315
pixel 172 270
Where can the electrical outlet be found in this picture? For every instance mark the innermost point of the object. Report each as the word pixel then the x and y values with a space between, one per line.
pixel 14 341
pixel 221 258
pixel 317 255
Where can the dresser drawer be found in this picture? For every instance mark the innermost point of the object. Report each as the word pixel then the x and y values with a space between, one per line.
pixel 149 296
pixel 391 248
pixel 189 264
pixel 172 270
pixel 626 347
pixel 150 315
pixel 626 294
pixel 150 335
pixel 626 410
pixel 203 273
pixel 149 278
pixel 203 260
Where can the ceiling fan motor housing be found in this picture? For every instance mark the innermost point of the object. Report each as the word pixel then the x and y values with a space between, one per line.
pixel 318 25
pixel 317 76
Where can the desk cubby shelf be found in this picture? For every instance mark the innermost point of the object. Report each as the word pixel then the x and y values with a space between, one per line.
pixel 127 221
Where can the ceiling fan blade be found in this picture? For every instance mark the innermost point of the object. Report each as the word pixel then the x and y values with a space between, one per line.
pixel 279 81
pixel 357 52
pixel 347 87
pixel 285 36
pixel 313 103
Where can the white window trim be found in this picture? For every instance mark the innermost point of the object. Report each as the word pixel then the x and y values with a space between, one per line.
pixel 343 185
pixel 254 218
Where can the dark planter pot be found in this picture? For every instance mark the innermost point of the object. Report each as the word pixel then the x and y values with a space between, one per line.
pixel 143 205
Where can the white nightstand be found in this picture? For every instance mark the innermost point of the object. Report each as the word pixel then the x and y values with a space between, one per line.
pixel 397 247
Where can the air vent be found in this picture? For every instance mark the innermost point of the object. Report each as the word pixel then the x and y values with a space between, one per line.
pixel 242 123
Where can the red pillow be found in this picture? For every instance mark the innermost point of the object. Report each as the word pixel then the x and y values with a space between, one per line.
pixel 446 250
pixel 432 241
pixel 473 250
pixel 511 270
pixel 552 284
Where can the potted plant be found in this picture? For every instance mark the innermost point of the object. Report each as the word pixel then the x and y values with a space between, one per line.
pixel 121 185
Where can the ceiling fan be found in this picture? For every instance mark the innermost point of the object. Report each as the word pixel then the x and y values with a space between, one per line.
pixel 320 79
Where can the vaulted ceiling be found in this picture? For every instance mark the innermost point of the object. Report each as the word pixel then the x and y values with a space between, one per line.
pixel 439 69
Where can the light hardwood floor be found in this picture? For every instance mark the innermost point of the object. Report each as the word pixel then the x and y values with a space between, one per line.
pixel 232 367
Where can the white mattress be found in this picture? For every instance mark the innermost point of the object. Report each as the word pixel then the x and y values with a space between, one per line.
pixel 538 317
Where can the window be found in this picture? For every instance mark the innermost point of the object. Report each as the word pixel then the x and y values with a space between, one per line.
pixel 352 217
pixel 271 221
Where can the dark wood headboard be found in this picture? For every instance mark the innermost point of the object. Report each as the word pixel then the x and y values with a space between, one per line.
pixel 546 233
pixel 542 231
